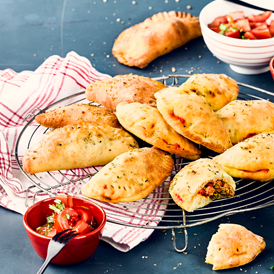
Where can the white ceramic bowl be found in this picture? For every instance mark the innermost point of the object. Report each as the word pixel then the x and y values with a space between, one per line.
pixel 243 56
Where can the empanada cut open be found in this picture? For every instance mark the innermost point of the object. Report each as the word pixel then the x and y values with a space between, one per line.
pixel 199 183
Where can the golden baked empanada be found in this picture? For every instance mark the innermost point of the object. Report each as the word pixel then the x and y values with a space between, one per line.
pixel 244 119
pixel 148 124
pixel 163 32
pixel 75 113
pixel 216 89
pixel 190 116
pixel 129 88
pixel 199 183
pixel 232 246
pixel 251 159
pixel 76 146
pixel 130 176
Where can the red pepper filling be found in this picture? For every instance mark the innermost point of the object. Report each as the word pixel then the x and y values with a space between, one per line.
pixel 178 198
pixel 172 115
pixel 261 170
pixel 176 146
pixel 250 135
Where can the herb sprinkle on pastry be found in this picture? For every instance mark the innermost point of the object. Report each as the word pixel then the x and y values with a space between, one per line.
pixel 190 116
pixel 163 32
pixel 251 159
pixel 232 246
pixel 217 90
pixel 77 146
pixel 76 113
pixel 129 88
pixel 130 176
pixel 245 119
pixel 199 183
pixel 148 124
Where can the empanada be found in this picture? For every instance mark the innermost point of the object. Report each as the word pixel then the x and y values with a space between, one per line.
pixel 129 88
pixel 163 32
pixel 76 146
pixel 244 119
pixel 251 159
pixel 148 124
pixel 199 183
pixel 232 246
pixel 217 90
pixel 190 116
pixel 75 113
pixel 130 176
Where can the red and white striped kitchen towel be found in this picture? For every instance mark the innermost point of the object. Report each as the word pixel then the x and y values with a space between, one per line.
pixel 20 93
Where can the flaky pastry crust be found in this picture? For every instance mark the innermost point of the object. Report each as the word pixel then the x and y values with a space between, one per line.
pixel 190 116
pixel 140 44
pixel 148 124
pixel 217 90
pixel 199 183
pixel 129 88
pixel 245 119
pixel 130 176
pixel 76 113
pixel 232 246
pixel 77 146
pixel 251 159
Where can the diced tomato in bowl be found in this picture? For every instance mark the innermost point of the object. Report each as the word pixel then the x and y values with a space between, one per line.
pixel 238 51
pixel 243 25
pixel 218 21
pixel 249 35
pixel 261 32
pixel 271 27
pixel 235 25
pixel 233 34
pixel 235 15
pixel 49 216
pixel 259 17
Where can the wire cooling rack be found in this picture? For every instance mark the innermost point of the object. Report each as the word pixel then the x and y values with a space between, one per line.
pixel 157 211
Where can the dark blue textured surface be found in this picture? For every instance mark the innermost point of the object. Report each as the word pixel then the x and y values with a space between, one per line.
pixel 32 30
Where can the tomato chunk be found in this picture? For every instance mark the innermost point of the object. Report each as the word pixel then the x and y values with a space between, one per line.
pixel 82 227
pixel 218 21
pixel 83 213
pixel 271 27
pixel 243 25
pixel 66 199
pixel 259 17
pixel 255 25
pixel 249 35
pixel 216 29
pixel 233 34
pixel 261 32
pixel 65 219
pixel 235 15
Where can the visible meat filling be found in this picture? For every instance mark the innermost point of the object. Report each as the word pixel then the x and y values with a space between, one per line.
pixel 216 190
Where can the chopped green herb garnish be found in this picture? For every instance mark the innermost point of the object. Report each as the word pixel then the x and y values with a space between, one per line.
pixel 57 207
pixel 223 27
pixel 50 218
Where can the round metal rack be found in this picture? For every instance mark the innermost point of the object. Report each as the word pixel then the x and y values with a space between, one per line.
pixel 157 211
